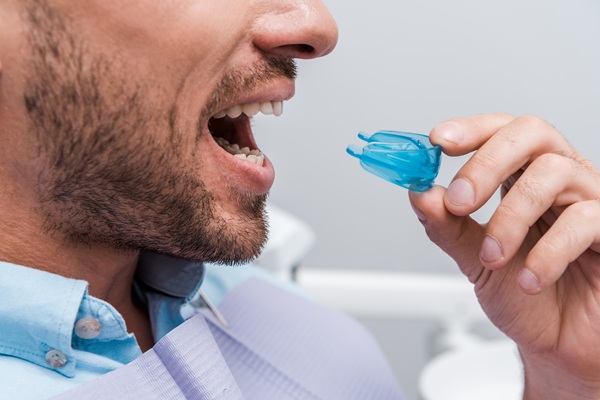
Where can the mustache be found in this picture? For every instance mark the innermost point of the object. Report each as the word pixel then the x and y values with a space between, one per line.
pixel 236 82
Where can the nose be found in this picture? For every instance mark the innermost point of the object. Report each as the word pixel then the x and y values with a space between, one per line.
pixel 296 29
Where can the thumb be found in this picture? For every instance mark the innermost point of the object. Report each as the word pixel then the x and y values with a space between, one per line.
pixel 458 236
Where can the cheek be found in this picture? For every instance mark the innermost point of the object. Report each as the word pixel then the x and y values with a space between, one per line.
pixel 173 35
pixel 206 168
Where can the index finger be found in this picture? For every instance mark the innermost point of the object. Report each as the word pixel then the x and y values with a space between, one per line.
pixel 501 151
pixel 460 136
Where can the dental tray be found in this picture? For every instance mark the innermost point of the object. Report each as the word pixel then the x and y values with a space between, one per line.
pixel 405 159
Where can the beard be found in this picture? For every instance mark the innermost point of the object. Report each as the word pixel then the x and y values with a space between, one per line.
pixel 114 171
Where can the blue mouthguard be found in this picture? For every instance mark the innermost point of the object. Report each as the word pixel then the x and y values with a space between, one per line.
pixel 406 159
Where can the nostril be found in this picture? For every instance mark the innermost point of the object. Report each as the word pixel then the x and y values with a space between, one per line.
pixel 304 48
pixel 294 51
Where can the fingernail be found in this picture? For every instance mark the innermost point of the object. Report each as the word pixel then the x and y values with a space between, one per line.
pixel 461 193
pixel 528 281
pixel 490 250
pixel 450 131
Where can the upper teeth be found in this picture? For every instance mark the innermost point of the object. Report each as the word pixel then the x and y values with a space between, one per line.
pixel 251 109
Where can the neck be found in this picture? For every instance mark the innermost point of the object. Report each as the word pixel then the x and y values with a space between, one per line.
pixel 109 272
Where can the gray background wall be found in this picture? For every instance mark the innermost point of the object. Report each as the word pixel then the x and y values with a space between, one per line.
pixel 408 65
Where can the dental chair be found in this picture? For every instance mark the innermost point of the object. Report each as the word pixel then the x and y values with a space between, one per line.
pixel 464 365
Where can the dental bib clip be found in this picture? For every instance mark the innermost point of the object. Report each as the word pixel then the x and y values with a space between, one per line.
pixel 403 158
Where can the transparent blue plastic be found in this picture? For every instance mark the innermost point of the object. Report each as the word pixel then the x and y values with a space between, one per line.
pixel 406 159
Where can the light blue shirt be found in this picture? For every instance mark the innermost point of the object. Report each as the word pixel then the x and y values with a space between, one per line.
pixel 55 336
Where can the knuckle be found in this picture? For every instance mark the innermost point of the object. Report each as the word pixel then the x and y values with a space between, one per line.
pixel 557 242
pixel 532 190
pixel 533 123
pixel 506 214
pixel 507 223
pixel 484 163
pixel 585 211
pixel 505 116
pixel 538 127
pixel 553 162
pixel 577 160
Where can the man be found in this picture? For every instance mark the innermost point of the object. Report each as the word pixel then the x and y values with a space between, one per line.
pixel 126 133
pixel 126 130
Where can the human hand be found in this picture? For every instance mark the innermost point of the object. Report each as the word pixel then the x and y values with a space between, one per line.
pixel 535 265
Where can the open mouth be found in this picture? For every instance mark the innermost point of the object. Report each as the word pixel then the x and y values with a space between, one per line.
pixel 232 131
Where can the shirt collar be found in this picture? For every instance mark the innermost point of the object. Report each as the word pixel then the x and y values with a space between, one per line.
pixel 39 312
pixel 37 315
pixel 170 276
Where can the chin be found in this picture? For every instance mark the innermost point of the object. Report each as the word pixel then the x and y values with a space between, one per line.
pixel 230 238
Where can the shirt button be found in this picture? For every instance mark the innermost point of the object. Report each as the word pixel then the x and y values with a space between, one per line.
pixel 87 328
pixel 56 358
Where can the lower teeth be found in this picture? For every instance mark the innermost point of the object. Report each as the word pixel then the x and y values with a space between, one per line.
pixel 244 153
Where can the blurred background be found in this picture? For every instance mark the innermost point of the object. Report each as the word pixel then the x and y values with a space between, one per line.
pixel 408 65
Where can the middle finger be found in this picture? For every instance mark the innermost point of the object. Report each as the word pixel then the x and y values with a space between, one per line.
pixel 550 180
